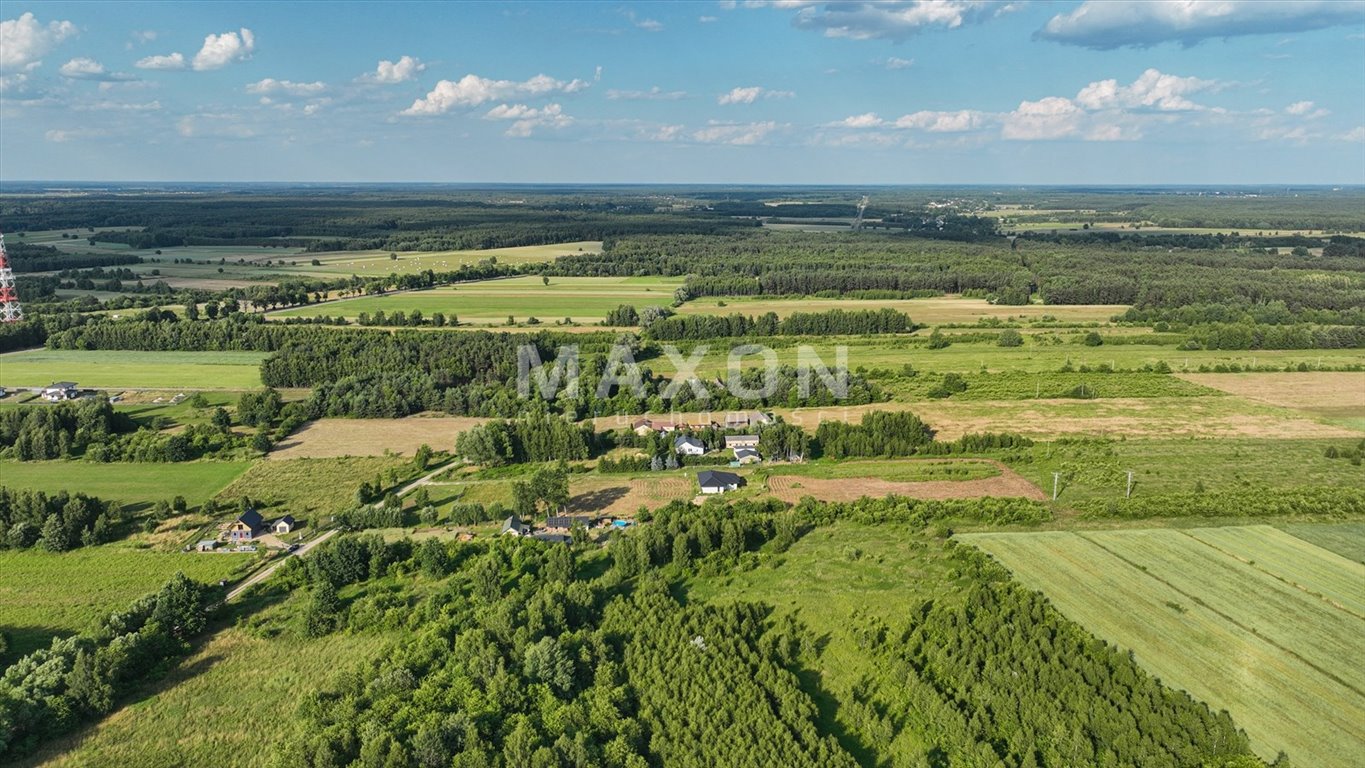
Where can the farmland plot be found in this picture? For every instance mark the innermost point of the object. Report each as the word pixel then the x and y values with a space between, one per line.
pixel 1245 619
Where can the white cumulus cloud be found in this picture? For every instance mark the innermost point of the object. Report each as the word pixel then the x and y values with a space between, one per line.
pixel 25 40
pixel 1152 90
pixel 222 50
pixel 739 134
pixel 169 61
pixel 751 93
pixel 88 69
pixel 865 120
pixel 527 119
pixel 653 94
pixel 1052 117
pixel 473 91
pixel 943 122
pixel 1141 23
pixel 891 19
pixel 271 86
pixel 401 71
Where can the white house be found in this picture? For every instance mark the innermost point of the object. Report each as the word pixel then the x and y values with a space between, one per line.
pixel 514 526
pixel 712 481
pixel 688 446
pixel 60 390
pixel 747 456
pixel 284 524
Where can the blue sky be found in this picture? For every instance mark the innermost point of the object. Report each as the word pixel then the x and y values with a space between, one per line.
pixel 949 91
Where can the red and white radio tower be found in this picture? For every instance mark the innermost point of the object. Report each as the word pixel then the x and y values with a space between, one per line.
pixel 10 311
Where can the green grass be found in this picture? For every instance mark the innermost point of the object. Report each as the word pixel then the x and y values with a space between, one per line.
pixel 1345 539
pixel 1098 469
pixel 104 369
pixel 1021 385
pixel 829 578
pixel 310 488
pixel 43 594
pixel 932 311
pixel 132 484
pixel 375 263
pixel 584 299
pixel 237 677
pixel 891 353
pixel 1249 619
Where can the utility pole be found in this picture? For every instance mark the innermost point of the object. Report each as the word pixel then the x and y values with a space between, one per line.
pixel 1056 478
pixel 1128 494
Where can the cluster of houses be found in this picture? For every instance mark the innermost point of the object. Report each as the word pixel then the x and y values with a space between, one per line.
pixel 733 420
pixel 247 527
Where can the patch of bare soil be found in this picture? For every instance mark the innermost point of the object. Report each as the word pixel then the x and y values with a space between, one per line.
pixel 790 488
pixel 330 438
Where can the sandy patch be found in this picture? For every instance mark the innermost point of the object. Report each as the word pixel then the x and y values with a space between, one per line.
pixel 328 438
pixel 790 488
pixel 1317 389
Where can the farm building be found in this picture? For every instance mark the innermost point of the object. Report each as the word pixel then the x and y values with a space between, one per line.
pixel 553 538
pixel 58 391
pixel 285 524
pixel 566 522
pixel 747 456
pixel 741 441
pixel 742 419
pixel 642 427
pixel 712 481
pixel 246 527
pixel 688 446
pixel 514 526
pixel 207 545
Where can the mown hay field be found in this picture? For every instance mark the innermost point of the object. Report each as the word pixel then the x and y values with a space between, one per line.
pixel 329 438
pixel 1247 619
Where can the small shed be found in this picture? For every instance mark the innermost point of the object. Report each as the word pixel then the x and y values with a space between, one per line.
pixel 747 456
pixel 514 526
pixel 285 524
pixel 207 545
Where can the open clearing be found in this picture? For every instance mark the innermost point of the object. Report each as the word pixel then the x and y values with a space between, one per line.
pixel 491 302
pixel 134 485
pixel 1247 619
pixel 623 497
pixel 380 263
pixel 304 487
pixel 110 369
pixel 791 488
pixel 1336 396
pixel 326 438
pixel 45 594
pixel 247 679
pixel 935 311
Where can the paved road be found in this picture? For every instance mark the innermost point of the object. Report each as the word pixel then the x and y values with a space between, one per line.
pixel 265 574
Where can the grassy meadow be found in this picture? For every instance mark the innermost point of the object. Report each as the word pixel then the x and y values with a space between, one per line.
pixel 114 369
pixel 135 485
pixel 491 302
pixel 43 594
pixel 943 310
pixel 308 487
pixel 1247 619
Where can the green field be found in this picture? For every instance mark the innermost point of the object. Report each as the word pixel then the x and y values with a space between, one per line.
pixel 1098 469
pixel 375 263
pixel 305 487
pixel 132 484
pixel 43 594
pixel 490 302
pixel 106 369
pixel 893 352
pixel 1345 539
pixel 1247 619
pixel 933 311
pixel 238 676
